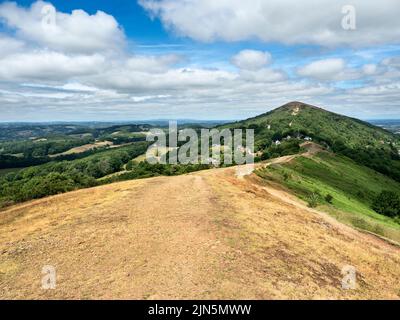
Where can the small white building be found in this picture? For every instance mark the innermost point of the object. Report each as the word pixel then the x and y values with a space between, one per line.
pixel 277 142
pixel 307 138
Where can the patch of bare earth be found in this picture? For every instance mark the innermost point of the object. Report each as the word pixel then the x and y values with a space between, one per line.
pixel 206 235
pixel 85 147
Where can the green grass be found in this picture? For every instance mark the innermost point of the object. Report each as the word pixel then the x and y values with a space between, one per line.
pixel 352 186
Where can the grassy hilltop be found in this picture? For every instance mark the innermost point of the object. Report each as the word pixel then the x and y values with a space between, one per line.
pixel 365 143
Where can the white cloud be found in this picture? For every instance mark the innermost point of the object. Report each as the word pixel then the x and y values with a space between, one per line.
pixel 327 69
pixel 370 69
pixel 71 86
pixel 152 64
pixel 263 75
pixel 285 21
pixel 393 62
pixel 172 79
pixel 77 32
pixel 48 65
pixel 87 73
pixel 385 72
pixel 10 46
pixel 393 88
pixel 251 59
pixel 76 86
pixel 145 98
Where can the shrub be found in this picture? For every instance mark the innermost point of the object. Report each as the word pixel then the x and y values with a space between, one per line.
pixel 286 176
pixel 360 195
pixel 387 203
pixel 265 155
pixel 312 200
pixel 360 223
pixel 379 230
pixel 329 198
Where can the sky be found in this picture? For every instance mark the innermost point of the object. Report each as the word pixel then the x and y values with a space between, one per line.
pixel 197 59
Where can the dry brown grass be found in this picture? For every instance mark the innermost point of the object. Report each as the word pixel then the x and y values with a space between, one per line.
pixel 206 235
pixel 84 148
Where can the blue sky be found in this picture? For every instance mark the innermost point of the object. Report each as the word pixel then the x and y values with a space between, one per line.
pixel 174 59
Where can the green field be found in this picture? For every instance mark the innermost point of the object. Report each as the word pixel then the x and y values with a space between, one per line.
pixel 353 188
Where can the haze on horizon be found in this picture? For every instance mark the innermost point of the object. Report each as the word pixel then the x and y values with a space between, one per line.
pixel 148 59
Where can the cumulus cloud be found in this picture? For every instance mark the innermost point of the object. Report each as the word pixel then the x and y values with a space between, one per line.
pixel 336 69
pixel 393 62
pixel 327 69
pixel 82 70
pixel 45 65
pixel 370 69
pixel 77 32
pixel 284 21
pixel 392 89
pixel 263 75
pixel 153 64
pixel 175 80
pixel 251 59
pixel 10 46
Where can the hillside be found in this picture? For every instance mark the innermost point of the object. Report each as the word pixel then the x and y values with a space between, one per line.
pixel 365 143
pixel 337 185
pixel 299 118
pixel 222 238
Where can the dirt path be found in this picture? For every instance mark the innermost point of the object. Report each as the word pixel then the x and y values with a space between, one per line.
pixel 206 235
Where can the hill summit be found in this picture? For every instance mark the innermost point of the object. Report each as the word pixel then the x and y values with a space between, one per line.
pixel 294 105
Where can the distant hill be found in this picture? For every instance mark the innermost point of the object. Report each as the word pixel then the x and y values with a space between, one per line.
pixel 392 125
pixel 365 143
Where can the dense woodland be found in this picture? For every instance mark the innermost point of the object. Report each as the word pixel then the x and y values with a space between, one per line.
pixel 61 176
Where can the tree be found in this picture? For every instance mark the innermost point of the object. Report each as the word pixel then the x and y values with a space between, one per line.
pixel 387 203
pixel 265 155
